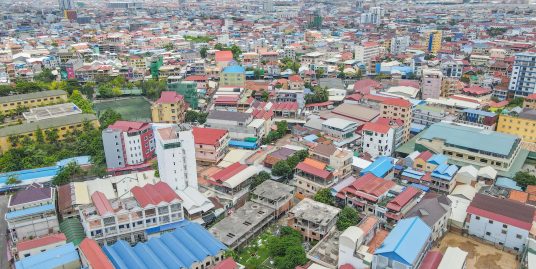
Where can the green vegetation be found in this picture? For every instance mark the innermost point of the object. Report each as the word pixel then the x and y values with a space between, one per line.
pixel 285 168
pixel 272 136
pixel 203 52
pixel 108 117
pixel 198 39
pixel 68 173
pixel 12 180
pixel 255 254
pixel 286 249
pixel 234 49
pixel 517 101
pixel 493 32
pixel 319 95
pixel 288 63
pixel 28 153
pixel 81 102
pixel 348 217
pixel 259 179
pixel 195 116
pixel 525 179
pixel 324 196
pixel 133 108
pixel 45 76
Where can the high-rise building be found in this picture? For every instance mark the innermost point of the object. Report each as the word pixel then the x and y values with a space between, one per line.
pixel 399 44
pixel 431 83
pixel 433 39
pixel 523 80
pixel 359 5
pixel 66 5
pixel 268 5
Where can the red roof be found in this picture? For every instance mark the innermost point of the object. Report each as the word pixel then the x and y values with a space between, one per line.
pixel 293 106
pixel 168 97
pixel 154 194
pixel 376 127
pixel 476 90
pixel 129 126
pixel 364 86
pixel 229 171
pixel 228 263
pixel 196 78
pixel 397 102
pixel 531 97
pixel 431 260
pixel 403 198
pixel 41 242
pixel 502 210
pixel 327 103
pixel 223 56
pixel 94 254
pixel 295 78
pixel 101 203
pixel 208 136
pixel 313 170
pixel 346 266
pixel 425 155
pixel 369 187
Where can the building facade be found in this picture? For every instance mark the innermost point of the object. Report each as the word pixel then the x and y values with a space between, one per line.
pixel 170 108
pixel 522 81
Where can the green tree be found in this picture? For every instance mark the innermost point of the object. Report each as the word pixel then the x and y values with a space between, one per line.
pixel 6 90
pixel 39 137
pixel 517 101
pixel 81 102
pixel 286 249
pixel 348 217
pixel 169 47
pixel 324 196
pixel 265 96
pixel 203 52
pixel 45 76
pixel 109 117
pixel 67 173
pixel 154 165
pixel 12 180
pixel 525 179
pixel 281 169
pixel 259 179
pixel 319 72
pixel 51 135
pixel 195 116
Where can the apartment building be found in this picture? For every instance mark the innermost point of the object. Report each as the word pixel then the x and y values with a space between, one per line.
pixel 231 184
pixel 478 118
pixel 522 124
pixel 211 145
pixel 435 211
pixel 451 86
pixel 367 51
pixel 338 159
pixel 128 146
pixel 523 79
pixel 342 131
pixel 31 213
pixel 431 83
pixel 311 176
pixel 233 76
pixel 378 139
pixel 10 135
pixel 169 108
pixel 452 68
pixel 399 206
pixel 364 193
pixel 433 40
pixel 10 103
pixel 398 109
pixel 150 212
pixel 239 124
pixel 399 44
pixel 427 115
pixel 312 219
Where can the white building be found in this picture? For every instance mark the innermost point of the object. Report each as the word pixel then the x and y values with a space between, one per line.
pixel 378 139
pixel 399 44
pixel 500 221
pixel 367 51
pixel 523 75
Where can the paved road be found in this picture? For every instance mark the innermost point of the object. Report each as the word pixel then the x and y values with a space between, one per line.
pixel 3 229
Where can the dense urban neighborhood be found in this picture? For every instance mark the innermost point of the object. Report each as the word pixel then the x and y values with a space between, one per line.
pixel 268 134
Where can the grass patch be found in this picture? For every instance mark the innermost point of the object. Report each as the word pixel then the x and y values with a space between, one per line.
pixel 133 109
pixel 255 254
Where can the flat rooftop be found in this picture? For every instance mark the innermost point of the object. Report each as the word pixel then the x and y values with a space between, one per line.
pixel 239 224
pixel 315 212
pixel 54 111
pixel 273 190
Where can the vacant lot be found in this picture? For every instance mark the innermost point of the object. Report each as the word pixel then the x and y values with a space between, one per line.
pixel 480 255
pixel 255 254
pixel 134 108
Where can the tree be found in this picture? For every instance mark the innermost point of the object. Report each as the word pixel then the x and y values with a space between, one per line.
pixel 259 179
pixel 324 196
pixel 286 249
pixel 348 217
pixel 525 179
pixel 109 117
pixel 45 76
pixel 169 47
pixel 154 165
pixel 319 95
pixel 517 101
pixel 67 173
pixel 51 135
pixel 282 127
pixel 281 169
pixel 203 52
pixel 319 72
pixel 39 137
pixel 12 180
pixel 81 102
pixel 265 96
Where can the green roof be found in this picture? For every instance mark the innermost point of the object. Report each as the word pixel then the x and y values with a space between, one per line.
pixel 46 124
pixel 409 146
pixel 73 230
pixel 517 164
pixel 473 139
pixel 33 95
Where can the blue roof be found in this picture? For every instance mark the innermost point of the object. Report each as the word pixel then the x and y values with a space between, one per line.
pixel 311 138
pixel 438 159
pixel 464 137
pixel 52 258
pixel 445 171
pixel 406 241
pixel 30 211
pixel 380 167
pixel 420 187
pixel 189 243
pixel 234 69
pixel 43 172
pixel 508 183
pixel 417 128
pixel 413 174
pixel 242 144
pixel 80 160
pixel 479 112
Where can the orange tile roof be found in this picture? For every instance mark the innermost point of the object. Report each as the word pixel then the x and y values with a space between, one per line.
pixel 519 196
pixel 314 163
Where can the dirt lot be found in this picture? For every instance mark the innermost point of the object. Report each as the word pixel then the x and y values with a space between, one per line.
pixel 480 255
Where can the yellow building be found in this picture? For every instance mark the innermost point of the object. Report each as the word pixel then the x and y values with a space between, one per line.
pixel 62 124
pixel 398 109
pixel 233 76
pixel 10 103
pixel 170 108
pixel 433 40
pixel 522 125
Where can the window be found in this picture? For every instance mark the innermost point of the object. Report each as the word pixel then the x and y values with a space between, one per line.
pixel 490 221
pixel 518 236
pixel 505 226
pixel 488 233
pixel 477 217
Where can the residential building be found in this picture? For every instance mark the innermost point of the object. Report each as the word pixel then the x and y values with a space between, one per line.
pixel 35 246
pixel 152 210
pixel 311 176
pixel 398 109
pixel 378 139
pixel 530 101
pixel 479 60
pixel 431 83
pixel 312 219
pixel 365 52
pixel 128 146
pixel 342 131
pixel 233 76
pixel 435 211
pixel 10 103
pixel 211 145
pixel 522 81
pixel 478 118
pixel 273 194
pixel 31 213
pixel 433 40
pixel 357 244
pixel 522 124
pixel 500 221
pixel 65 257
pixel 451 86
pixel 399 44
pixel 231 184
pixel 338 159
pixel 405 246
pixel 457 142
pixel 451 68
pixel 399 207
pixel 189 246
pixel 364 193
pixel 239 124
pixel 427 115
pixel 169 108
pixel 187 89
